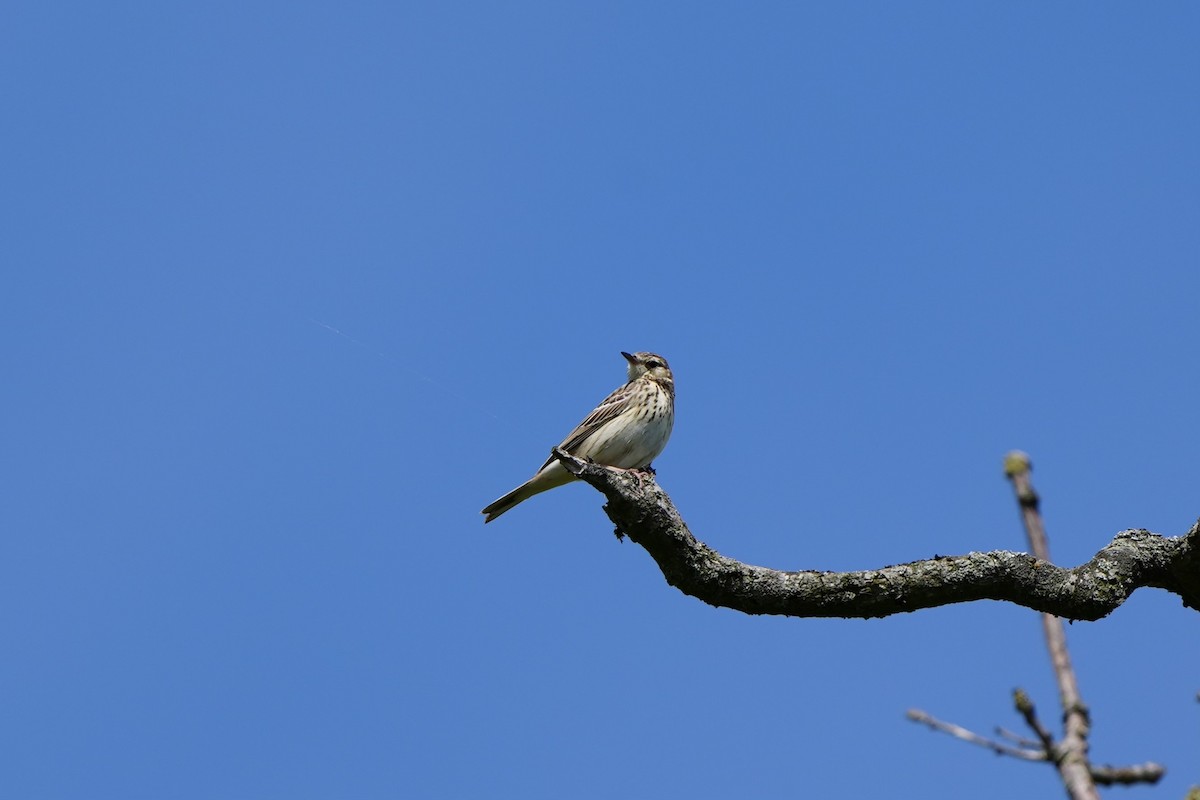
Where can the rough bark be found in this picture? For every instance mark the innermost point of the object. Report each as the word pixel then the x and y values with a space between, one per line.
pixel 642 511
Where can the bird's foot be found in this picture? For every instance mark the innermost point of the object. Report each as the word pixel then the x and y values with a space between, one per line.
pixel 640 474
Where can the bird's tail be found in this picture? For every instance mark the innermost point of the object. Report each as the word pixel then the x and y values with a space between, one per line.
pixel 517 495
pixel 550 476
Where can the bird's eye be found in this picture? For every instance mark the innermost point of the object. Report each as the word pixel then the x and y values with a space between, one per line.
pixel 654 363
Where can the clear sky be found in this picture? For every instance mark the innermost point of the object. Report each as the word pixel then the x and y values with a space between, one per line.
pixel 292 290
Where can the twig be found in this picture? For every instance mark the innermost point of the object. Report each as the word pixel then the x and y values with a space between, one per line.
pixel 1015 738
pixel 1107 775
pixel 1103 775
pixel 1027 710
pixel 959 732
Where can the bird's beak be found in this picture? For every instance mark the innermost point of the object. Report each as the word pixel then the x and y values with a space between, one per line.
pixel 630 358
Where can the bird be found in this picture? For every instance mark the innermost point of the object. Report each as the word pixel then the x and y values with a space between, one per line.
pixel 627 430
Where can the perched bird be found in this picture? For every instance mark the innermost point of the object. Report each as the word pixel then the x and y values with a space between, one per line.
pixel 627 430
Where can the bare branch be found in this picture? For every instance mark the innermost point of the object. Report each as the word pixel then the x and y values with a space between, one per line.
pixel 641 510
pixel 1026 709
pixel 959 732
pixel 1015 738
pixel 1104 775
pixel 1107 775
pixel 1071 754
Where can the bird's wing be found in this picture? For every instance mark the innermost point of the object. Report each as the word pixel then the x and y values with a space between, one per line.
pixel 609 408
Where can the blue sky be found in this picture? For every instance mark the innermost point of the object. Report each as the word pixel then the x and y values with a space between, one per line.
pixel 294 290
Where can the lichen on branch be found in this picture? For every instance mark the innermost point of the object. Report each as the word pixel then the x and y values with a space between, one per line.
pixel 642 511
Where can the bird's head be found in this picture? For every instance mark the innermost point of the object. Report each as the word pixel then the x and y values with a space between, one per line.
pixel 655 366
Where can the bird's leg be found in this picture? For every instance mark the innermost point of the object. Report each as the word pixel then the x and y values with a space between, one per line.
pixel 639 473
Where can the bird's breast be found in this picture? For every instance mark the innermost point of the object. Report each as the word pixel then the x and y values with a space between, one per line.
pixel 637 436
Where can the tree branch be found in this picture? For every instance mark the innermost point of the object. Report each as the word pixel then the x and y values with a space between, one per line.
pixel 1071 754
pixel 1026 709
pixel 1015 738
pixel 959 732
pixel 1105 775
pixel 641 510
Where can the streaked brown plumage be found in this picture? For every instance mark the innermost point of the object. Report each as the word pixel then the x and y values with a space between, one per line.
pixel 627 430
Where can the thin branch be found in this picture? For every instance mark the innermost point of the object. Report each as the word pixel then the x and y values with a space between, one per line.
pixel 1015 738
pixel 1104 775
pixel 1027 710
pixel 1071 756
pixel 959 732
pixel 641 510
pixel 1107 775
